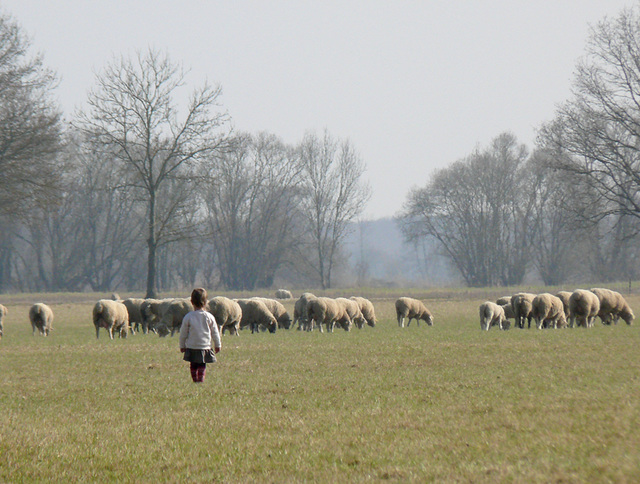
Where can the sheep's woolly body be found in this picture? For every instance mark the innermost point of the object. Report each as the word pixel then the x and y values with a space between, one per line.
pixel 227 313
pixel 352 309
pixel 522 305
pixel 256 315
pixel 583 307
pixel 3 312
pixel 327 311
pixel 508 311
pixel 300 311
pixel 548 309
pixel 491 314
pixel 278 310
pixel 564 296
pixel 283 294
pixel 367 309
pixel 613 306
pixel 173 312
pixel 150 311
pixel 410 308
pixel 503 300
pixel 112 316
pixel 134 306
pixel 41 317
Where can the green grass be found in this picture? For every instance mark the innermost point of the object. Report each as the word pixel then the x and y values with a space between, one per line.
pixel 446 403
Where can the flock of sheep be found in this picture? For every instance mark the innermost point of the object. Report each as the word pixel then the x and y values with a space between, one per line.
pixel 557 311
pixel 164 316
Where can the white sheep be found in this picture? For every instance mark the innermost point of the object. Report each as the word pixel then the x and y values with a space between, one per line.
pixel 227 313
pixel 256 315
pixel 327 311
pixel 300 312
pixel 41 317
pixel 3 312
pixel 410 308
pixel 564 297
pixel 608 301
pixel 283 294
pixel 584 307
pixel 549 310
pixel 173 312
pixel 622 310
pixel 501 301
pixel 278 310
pixel 491 314
pixel 134 306
pixel 367 309
pixel 112 316
pixel 522 305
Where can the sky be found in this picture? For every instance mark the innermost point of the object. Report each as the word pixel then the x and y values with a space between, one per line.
pixel 413 85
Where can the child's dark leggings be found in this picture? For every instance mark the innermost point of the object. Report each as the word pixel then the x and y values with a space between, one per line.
pixel 197 371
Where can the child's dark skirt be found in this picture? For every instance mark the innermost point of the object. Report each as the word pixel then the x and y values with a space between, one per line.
pixel 199 356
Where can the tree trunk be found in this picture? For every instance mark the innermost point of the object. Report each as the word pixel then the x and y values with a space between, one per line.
pixel 152 245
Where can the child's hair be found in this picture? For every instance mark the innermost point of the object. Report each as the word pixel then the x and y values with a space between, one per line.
pixel 199 297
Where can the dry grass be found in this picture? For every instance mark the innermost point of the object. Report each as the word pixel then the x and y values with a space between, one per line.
pixel 445 403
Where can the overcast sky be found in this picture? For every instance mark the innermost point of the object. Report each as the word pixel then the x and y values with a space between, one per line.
pixel 415 85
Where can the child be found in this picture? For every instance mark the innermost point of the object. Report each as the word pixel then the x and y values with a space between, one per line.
pixel 196 333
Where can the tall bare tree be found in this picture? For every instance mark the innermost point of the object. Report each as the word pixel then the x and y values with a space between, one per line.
pixel 479 210
pixel 134 113
pixel 595 135
pixel 335 193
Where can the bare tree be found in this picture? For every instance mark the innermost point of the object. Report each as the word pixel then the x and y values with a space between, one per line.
pixel 133 113
pixel 479 210
pixel 595 134
pixel 252 208
pixel 334 195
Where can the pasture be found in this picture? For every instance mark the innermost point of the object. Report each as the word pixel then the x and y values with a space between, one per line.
pixel 447 403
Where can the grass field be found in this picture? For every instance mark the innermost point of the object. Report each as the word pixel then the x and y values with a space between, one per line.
pixel 447 403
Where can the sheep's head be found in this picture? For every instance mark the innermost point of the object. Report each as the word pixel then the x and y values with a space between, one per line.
pixel 627 315
pixel 428 318
pixel 162 330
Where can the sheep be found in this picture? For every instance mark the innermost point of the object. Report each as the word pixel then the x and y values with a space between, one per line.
pixel 173 312
pixel 256 314
pixel 564 297
pixel 112 316
pixel 327 311
pixel 278 310
pixel 366 307
pixel 300 311
pixel 501 301
pixel 407 307
pixel 3 312
pixel 227 313
pixel 115 296
pixel 134 306
pixel 608 301
pixel 622 310
pixel 150 311
pixel 521 304
pixel 41 317
pixel 508 314
pixel 548 309
pixel 491 314
pixel 283 294
pixel 584 307
pixel 352 309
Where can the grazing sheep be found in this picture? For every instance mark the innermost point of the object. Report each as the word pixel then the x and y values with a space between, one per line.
pixel 521 304
pixel 368 312
pixel 352 309
pixel 608 301
pixel 327 311
pixel 134 306
pixel 115 296
pixel 112 316
pixel 300 313
pixel 549 310
pixel 410 308
pixel 41 317
pixel 564 297
pixel 3 312
pixel 508 314
pixel 227 313
pixel 283 294
pixel 255 314
pixel 503 300
pixel 622 310
pixel 173 312
pixel 150 311
pixel 491 314
pixel 584 307
pixel 278 310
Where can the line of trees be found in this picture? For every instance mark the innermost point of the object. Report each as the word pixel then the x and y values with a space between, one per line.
pixel 568 211
pixel 141 192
